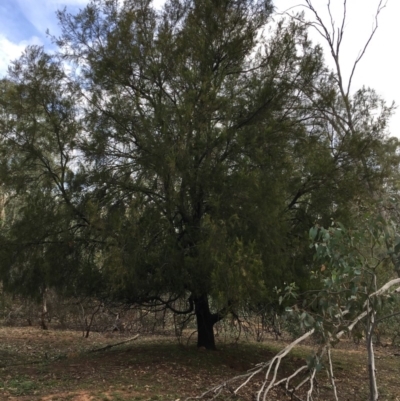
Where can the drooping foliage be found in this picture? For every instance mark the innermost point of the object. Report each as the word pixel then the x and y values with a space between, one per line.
pixel 181 153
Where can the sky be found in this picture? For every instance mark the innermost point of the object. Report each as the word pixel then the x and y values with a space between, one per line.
pixel 24 22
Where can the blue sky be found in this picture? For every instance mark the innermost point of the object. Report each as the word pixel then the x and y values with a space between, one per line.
pixel 23 19
pixel 14 25
pixel 24 22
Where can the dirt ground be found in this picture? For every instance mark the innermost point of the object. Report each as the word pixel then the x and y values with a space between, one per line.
pixel 59 366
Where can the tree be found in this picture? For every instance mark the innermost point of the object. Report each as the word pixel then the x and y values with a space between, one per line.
pixel 195 152
pixel 193 133
pixel 43 236
pixel 177 132
pixel 354 268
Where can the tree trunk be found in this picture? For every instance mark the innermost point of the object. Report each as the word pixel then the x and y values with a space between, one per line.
pixel 205 323
pixel 373 387
pixel 44 311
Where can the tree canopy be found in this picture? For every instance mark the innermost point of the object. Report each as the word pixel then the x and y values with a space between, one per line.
pixel 180 154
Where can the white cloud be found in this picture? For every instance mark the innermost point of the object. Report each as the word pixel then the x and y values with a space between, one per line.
pixel 10 51
pixel 41 13
pixel 63 3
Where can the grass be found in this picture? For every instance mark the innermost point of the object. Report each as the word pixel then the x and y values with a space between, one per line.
pixel 57 366
pixel 20 385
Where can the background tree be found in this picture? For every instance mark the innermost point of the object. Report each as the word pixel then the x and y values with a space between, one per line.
pixel 43 240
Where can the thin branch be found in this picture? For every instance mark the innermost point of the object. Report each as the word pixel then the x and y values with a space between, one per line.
pixel 388 317
pixel 114 345
pixel 380 7
pixel 384 288
pixel 310 391
pixel 331 376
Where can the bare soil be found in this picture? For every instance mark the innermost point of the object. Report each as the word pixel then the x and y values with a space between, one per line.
pixel 58 365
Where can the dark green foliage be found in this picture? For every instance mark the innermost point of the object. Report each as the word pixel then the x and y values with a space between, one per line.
pixel 185 157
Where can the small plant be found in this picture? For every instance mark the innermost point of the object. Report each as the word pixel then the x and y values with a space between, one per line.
pixel 19 386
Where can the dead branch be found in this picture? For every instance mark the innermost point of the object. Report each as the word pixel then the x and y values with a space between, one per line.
pixel 114 345
pixel 35 362
pixel 331 376
pixel 259 368
pixel 334 42
pixel 385 287
pixel 274 364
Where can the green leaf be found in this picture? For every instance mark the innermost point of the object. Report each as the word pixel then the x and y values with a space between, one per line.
pixel 313 233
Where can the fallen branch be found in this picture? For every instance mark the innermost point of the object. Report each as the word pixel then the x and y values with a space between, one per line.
pixel 114 345
pixel 216 390
pixel 384 288
pixel 275 362
pixel 35 362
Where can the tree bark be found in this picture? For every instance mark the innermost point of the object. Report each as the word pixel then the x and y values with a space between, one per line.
pixel 205 323
pixel 373 387
pixel 44 311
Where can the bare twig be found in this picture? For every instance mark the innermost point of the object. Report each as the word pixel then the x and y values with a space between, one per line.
pixel 331 375
pixel 387 317
pixel 334 42
pixel 114 345
pixel 381 6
